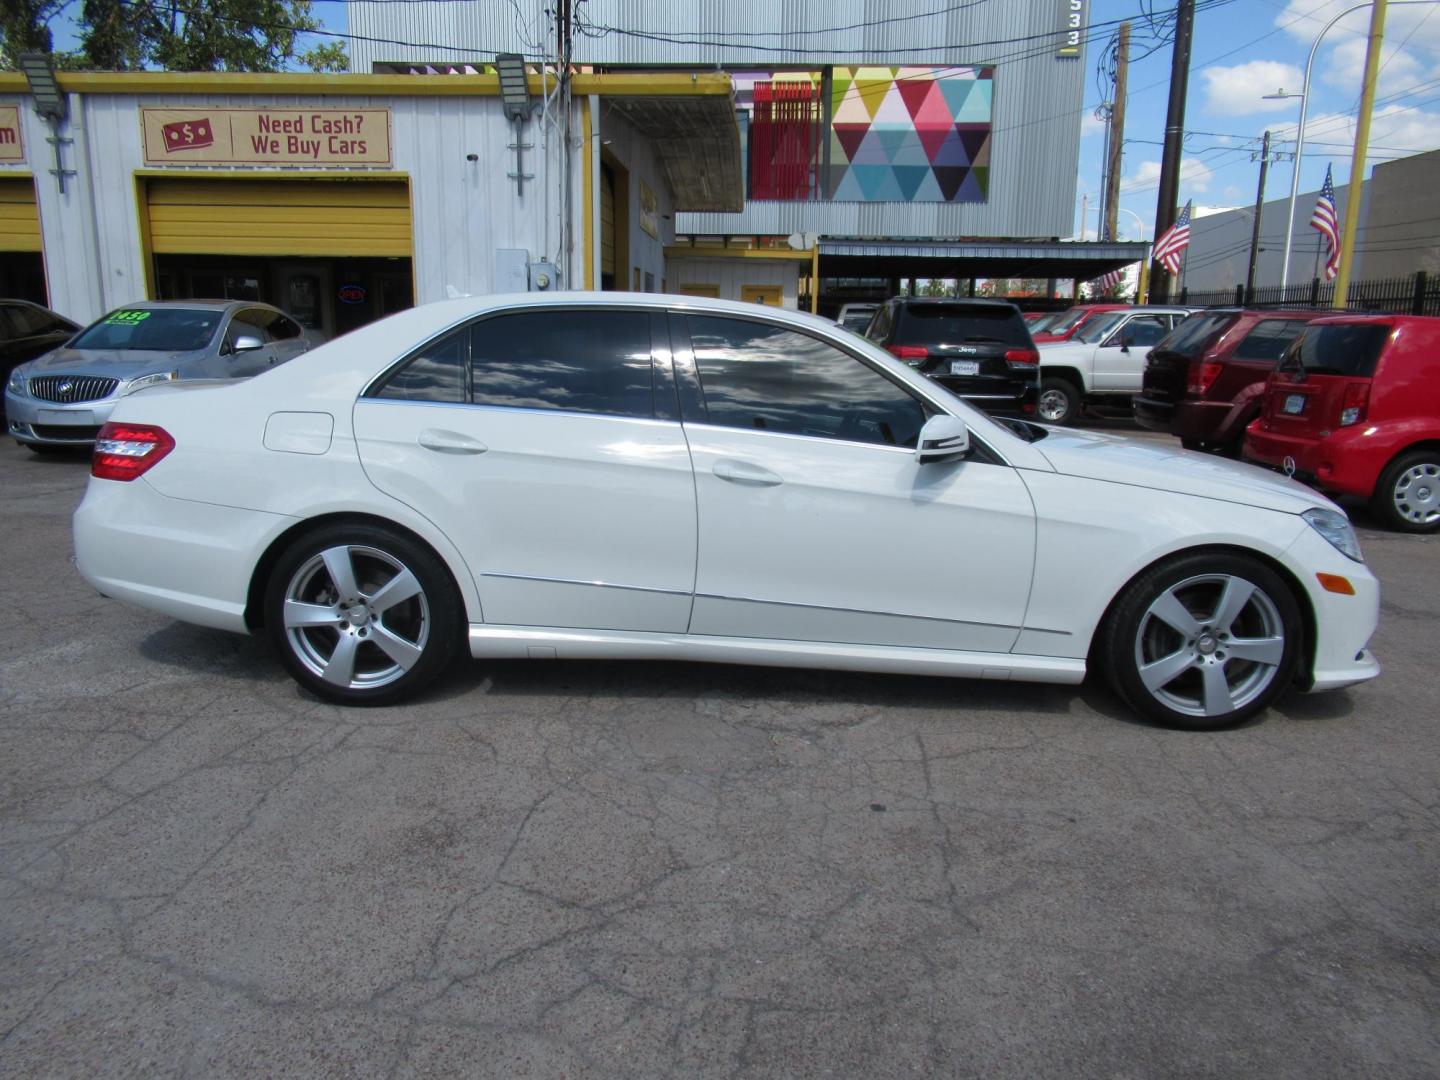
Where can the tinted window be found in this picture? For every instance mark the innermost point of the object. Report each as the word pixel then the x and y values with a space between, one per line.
pixel 29 320
pixel 1341 349
pixel 283 328
pixel 151 330
pixel 1143 332
pixel 858 321
pixel 1196 334
pixel 1268 338
pixel 579 361
pixel 765 378
pixel 248 322
pixel 436 372
pixel 952 324
pixel 881 325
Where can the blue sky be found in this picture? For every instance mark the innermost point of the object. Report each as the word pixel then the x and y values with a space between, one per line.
pixel 1243 50
pixel 1248 48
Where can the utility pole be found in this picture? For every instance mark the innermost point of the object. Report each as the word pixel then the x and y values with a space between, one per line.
pixel 1357 162
pixel 1116 145
pixel 1084 213
pixel 1255 226
pixel 1165 208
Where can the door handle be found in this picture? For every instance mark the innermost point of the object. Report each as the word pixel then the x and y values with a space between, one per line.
pixel 743 472
pixel 450 442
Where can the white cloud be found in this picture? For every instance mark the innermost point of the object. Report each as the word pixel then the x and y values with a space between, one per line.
pixel 1090 124
pixel 1394 130
pixel 1232 192
pixel 1410 54
pixel 1400 69
pixel 1241 90
pixel 1195 177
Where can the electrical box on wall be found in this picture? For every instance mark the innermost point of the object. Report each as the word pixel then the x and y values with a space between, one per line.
pixel 511 270
pixel 543 277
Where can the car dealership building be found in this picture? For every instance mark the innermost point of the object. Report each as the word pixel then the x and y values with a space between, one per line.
pixel 342 198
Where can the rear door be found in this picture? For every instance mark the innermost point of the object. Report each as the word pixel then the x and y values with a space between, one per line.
pixel 1327 371
pixel 546 444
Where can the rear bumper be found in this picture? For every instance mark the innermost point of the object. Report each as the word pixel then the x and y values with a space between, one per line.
pixel 1187 418
pixel 995 395
pixel 1330 462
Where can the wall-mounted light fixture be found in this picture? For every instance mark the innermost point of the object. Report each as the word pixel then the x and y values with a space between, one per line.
pixel 515 97
pixel 50 102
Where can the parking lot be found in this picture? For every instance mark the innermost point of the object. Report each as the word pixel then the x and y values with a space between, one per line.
pixel 595 870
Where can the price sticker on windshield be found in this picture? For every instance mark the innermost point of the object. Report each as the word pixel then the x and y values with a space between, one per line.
pixel 126 318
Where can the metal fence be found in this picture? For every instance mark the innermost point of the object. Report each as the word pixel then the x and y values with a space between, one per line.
pixel 1418 294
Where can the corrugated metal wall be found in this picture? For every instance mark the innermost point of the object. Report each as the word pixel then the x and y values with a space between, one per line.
pixel 1039 98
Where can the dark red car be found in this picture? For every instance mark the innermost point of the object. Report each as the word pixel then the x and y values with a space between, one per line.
pixel 1354 408
pixel 1206 381
pixel 1072 319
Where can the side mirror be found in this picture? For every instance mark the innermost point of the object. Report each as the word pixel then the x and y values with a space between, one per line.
pixel 943 438
pixel 248 343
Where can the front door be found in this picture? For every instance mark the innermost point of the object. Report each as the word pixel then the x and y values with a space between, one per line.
pixel 1120 358
pixel 816 523
pixel 542 445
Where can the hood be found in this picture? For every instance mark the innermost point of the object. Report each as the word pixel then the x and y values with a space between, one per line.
pixel 108 363
pixel 1118 460
pixel 1059 352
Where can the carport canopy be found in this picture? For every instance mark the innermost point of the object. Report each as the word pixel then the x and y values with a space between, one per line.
pixel 1080 260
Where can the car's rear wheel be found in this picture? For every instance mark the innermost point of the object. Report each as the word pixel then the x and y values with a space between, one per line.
pixel 1058 401
pixel 1203 641
pixel 1408 495
pixel 362 614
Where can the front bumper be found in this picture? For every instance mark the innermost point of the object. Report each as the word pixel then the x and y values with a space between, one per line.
pixel 47 423
pixel 1343 624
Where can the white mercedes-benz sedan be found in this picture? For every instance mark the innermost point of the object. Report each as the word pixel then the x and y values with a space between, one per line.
pixel 641 476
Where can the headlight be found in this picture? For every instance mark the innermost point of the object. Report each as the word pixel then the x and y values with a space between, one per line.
pixel 16 385
pixel 150 380
pixel 1335 527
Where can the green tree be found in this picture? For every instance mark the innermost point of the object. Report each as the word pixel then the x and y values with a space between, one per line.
pixel 177 35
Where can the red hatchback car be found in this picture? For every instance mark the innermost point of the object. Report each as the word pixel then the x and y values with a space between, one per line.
pixel 1354 406
pixel 1071 320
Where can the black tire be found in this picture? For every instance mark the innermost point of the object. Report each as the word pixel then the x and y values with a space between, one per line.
pixel 1058 403
pixel 1178 686
pixel 1407 498
pixel 389 652
pixel 1198 445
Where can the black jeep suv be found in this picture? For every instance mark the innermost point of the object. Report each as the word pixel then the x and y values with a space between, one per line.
pixel 978 349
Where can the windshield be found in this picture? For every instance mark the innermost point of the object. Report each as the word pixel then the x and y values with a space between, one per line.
pixel 151 330
pixel 1066 321
pixel 1042 325
pixel 1098 327
pixel 1341 349
pixel 954 324
pixel 1196 334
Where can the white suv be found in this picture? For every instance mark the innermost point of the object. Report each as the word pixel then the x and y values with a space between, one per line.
pixel 1102 366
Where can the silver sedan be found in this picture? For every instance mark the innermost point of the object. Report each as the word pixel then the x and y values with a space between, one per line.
pixel 61 399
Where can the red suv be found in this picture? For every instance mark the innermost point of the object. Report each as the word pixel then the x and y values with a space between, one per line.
pixel 1072 319
pixel 1354 407
pixel 1206 381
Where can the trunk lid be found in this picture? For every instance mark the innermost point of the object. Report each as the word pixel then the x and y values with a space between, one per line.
pixel 1323 381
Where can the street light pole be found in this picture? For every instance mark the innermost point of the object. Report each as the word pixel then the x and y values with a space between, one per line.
pixel 1300 131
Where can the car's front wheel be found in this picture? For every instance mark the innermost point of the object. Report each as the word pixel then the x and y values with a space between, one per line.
pixel 1202 641
pixel 1058 401
pixel 362 614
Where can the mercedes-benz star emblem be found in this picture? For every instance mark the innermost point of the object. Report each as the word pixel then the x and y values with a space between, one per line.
pixel 1288 465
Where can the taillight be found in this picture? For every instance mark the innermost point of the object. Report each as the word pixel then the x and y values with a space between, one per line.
pixel 914 355
pixel 1202 376
pixel 125 451
pixel 1354 403
pixel 1022 357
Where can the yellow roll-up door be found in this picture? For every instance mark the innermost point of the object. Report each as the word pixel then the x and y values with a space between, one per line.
pixel 19 219
pixel 279 217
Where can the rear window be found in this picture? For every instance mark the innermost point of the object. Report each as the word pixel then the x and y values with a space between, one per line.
pixel 1268 338
pixel 151 330
pixel 1196 334
pixel 858 321
pixel 947 324
pixel 1340 349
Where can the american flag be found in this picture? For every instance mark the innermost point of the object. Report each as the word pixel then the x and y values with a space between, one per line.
pixel 1325 220
pixel 1170 248
pixel 1105 282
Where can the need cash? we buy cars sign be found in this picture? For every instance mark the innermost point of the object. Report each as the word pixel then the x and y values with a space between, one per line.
pixel 266 136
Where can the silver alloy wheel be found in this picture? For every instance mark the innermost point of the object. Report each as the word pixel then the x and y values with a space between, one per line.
pixel 1210 645
pixel 1417 493
pixel 356 616
pixel 1053 405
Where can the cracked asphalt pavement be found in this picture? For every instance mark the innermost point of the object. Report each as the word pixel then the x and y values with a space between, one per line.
pixel 650 870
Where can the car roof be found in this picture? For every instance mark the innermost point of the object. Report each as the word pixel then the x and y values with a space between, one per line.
pixel 952 301
pixel 194 305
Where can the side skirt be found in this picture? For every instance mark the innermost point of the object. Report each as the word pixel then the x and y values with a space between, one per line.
pixel 545 643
